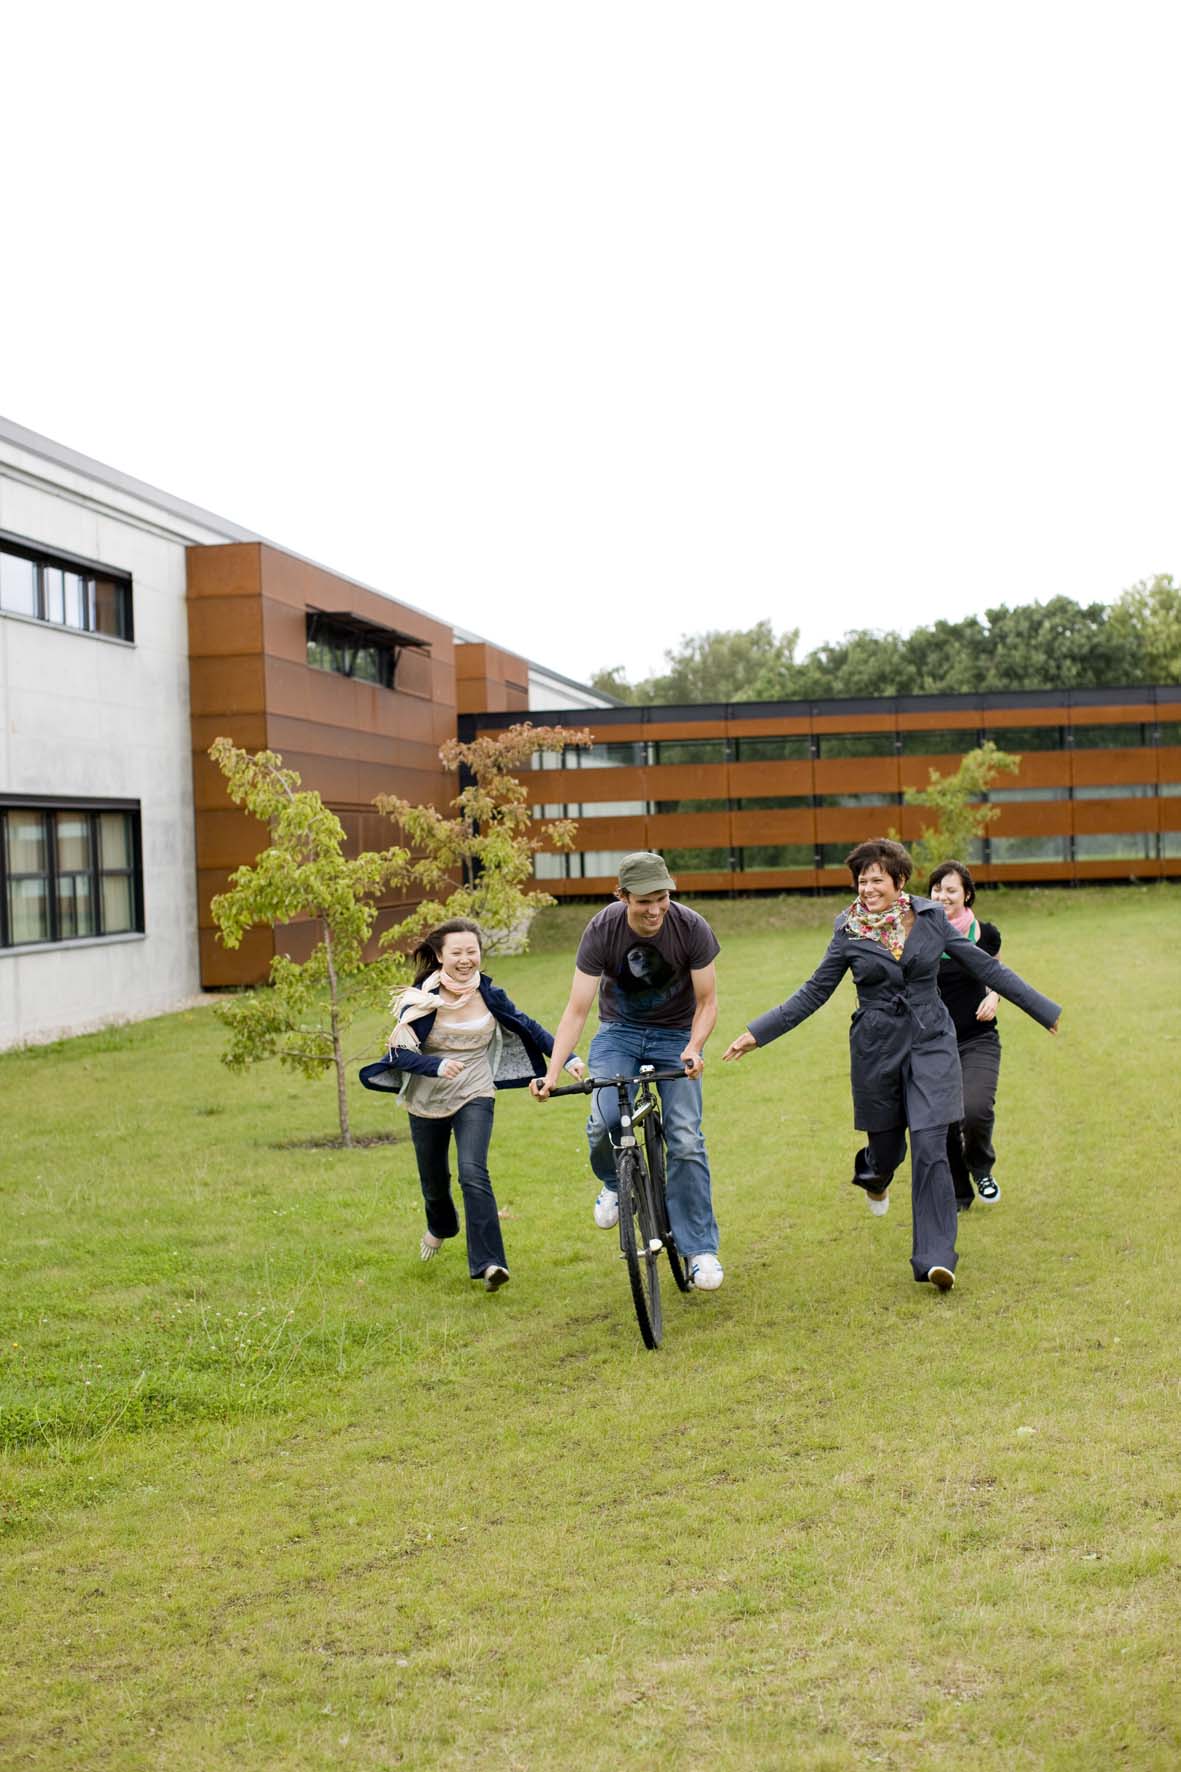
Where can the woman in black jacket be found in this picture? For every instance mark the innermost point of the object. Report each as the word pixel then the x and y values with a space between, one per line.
pixel 456 1040
pixel 904 1060
pixel 969 1143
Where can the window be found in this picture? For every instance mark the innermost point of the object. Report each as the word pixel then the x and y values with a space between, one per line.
pixel 775 750
pixel 882 799
pixel 1140 790
pixel 692 750
pixel 776 803
pixel 605 756
pixel 1023 796
pixel 64 593
pixel 1041 848
pixel 1168 733
pixel 937 744
pixel 1016 739
pixel 68 872
pixel 697 861
pixel 764 856
pixel 1108 738
pixel 333 649
pixel 353 646
pixel 855 744
pixel 1120 846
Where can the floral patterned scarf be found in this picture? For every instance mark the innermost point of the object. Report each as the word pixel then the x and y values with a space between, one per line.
pixel 887 927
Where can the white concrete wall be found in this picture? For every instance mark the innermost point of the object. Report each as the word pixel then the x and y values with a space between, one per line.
pixel 83 715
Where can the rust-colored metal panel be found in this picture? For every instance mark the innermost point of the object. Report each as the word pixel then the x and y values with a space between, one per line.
pixel 224 627
pixel 225 839
pixel 247 730
pixel 791 725
pixel 751 781
pixel 791 826
pixel 1113 768
pixel 689 830
pixel 855 824
pixel 570 787
pixel 856 775
pixel 1100 816
pixel 223 967
pixel 597 834
pixel 1051 818
pixel 226 686
pixel 997 718
pixel 885 722
pixel 776 879
pixel 224 569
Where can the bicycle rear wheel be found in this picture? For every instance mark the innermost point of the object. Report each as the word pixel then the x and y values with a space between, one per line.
pixel 654 1150
pixel 639 1239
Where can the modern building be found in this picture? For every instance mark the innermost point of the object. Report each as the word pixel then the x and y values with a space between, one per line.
pixel 135 628
pixel 762 796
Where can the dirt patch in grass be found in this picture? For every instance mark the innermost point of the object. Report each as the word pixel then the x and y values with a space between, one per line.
pixel 360 1141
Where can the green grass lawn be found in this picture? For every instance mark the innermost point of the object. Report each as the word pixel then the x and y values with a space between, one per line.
pixel 277 1494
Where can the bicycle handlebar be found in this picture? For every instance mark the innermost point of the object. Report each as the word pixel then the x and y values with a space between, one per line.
pixel 588 1083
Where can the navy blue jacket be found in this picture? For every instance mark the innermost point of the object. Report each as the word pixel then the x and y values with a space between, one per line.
pixel 520 1047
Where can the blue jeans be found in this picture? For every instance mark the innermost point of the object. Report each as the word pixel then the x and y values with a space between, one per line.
pixel 619 1049
pixel 472 1127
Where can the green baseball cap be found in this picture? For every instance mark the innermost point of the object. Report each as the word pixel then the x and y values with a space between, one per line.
pixel 645 872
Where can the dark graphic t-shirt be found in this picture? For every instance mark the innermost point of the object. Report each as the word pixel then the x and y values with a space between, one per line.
pixel 645 978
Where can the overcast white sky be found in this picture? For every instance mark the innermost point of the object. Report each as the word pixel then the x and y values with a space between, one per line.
pixel 591 326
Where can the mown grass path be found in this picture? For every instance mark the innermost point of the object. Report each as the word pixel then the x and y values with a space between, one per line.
pixel 277 1494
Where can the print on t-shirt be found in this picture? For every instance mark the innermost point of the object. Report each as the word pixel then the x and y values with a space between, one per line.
pixel 646 977
pixel 646 980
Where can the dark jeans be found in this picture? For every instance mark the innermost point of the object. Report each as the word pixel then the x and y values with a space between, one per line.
pixel 969 1144
pixel 932 1196
pixel 472 1127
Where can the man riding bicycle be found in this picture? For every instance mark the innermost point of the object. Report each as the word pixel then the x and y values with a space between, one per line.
pixel 652 964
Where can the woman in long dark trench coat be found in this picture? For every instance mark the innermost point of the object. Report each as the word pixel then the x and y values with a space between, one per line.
pixel 903 1058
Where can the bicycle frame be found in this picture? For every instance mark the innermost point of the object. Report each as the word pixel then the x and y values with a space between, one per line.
pixel 644 1233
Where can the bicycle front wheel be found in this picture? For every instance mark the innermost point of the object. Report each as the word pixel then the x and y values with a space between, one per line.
pixel 640 1241
pixel 654 1150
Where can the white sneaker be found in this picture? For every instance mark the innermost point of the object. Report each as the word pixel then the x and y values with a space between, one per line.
pixel 607 1208
pixel 705 1272
pixel 879 1208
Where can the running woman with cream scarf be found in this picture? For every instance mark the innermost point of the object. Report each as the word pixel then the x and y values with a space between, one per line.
pixel 457 1039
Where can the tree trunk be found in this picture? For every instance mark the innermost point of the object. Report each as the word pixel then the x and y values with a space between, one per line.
pixel 342 1100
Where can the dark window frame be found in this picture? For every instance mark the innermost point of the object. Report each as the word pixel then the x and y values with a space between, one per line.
pixel 49 560
pixel 48 807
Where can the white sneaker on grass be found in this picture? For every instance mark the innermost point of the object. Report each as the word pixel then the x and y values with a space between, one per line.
pixel 705 1272
pixel 607 1208
pixel 879 1208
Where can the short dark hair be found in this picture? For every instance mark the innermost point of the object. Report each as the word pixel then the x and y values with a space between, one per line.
pixel 429 951
pixel 954 867
pixel 889 855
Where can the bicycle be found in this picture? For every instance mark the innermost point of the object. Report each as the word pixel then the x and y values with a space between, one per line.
pixel 640 1168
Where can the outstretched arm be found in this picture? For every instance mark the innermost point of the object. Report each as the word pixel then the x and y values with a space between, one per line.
pixel 578 1005
pixel 970 958
pixel 805 1002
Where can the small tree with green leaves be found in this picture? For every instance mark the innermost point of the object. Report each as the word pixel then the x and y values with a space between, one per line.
pixel 960 813
pixel 477 860
pixel 302 874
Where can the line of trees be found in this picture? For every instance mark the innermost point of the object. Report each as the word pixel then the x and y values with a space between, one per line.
pixel 1060 644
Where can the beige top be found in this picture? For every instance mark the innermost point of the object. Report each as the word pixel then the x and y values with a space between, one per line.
pixel 458 1033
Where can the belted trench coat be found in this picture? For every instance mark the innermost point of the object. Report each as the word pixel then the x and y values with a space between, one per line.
pixel 903 1059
